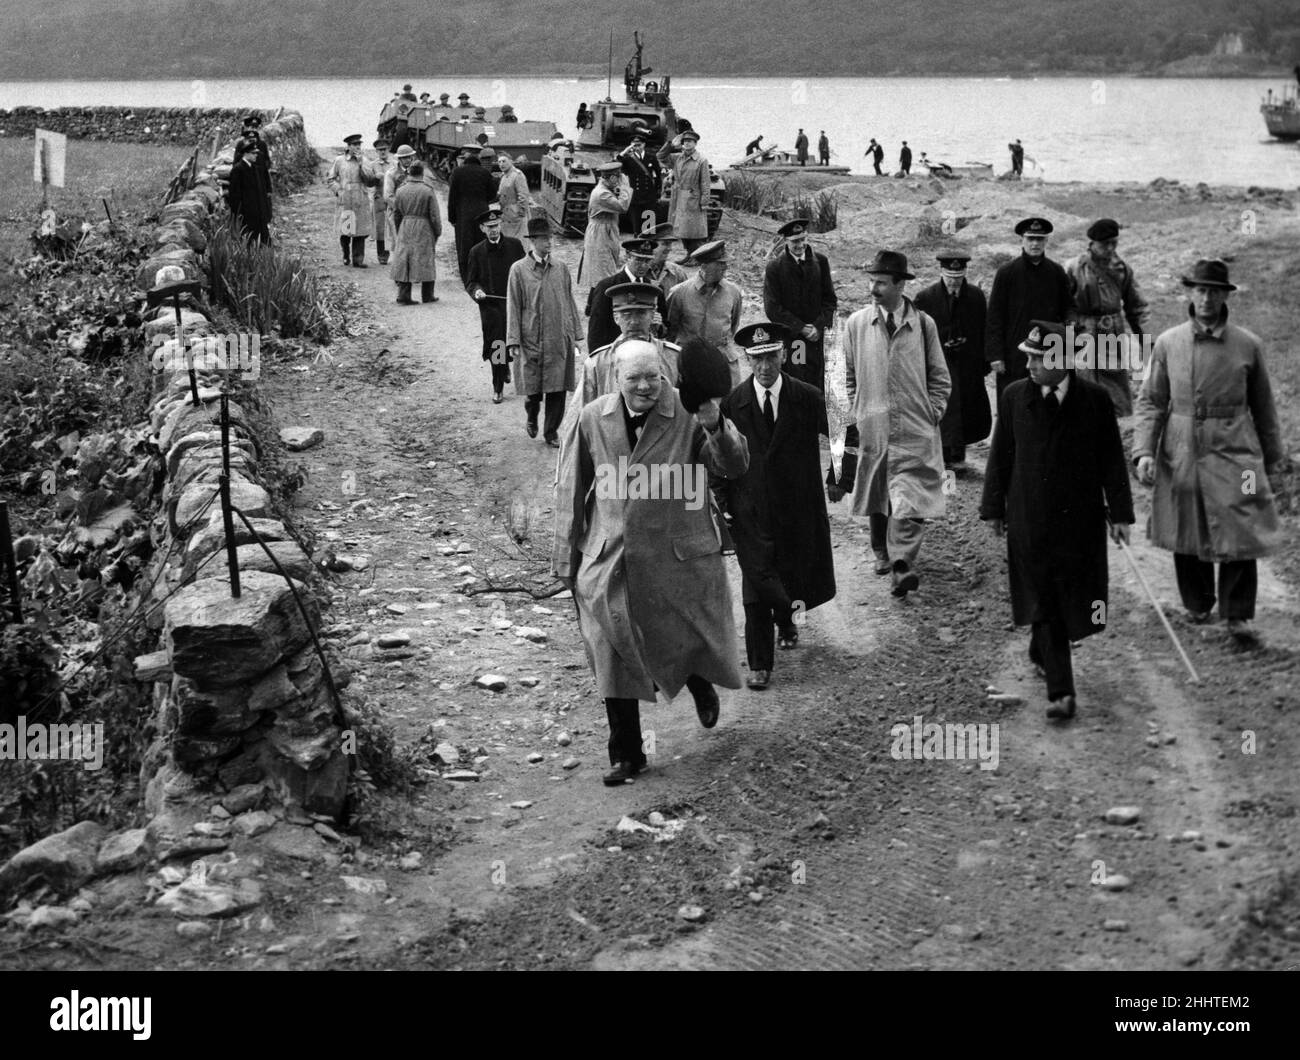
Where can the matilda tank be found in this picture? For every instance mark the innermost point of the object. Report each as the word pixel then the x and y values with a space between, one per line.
pixel 439 131
pixel 568 168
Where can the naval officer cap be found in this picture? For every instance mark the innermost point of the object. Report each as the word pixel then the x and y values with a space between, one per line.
pixel 488 216
pixel 1103 230
pixel 641 247
pixel 797 227
pixel 762 338
pixel 1034 226
pixel 355 138
pixel 634 296
pixel 953 260
pixel 708 253
pixel 1038 342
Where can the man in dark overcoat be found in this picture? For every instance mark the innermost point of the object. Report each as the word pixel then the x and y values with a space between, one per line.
pixel 489 269
pixel 601 326
pixel 1031 287
pixel 646 176
pixel 1056 474
pixel 252 130
pixel 245 194
pixel 468 193
pixel 958 309
pixel 779 524
pixel 798 293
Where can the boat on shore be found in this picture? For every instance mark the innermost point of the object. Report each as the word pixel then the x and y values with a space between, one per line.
pixel 959 172
pixel 775 160
pixel 1282 113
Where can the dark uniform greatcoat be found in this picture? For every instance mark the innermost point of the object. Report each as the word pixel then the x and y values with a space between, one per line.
pixel 779 521
pixel 1022 292
pixel 1051 476
pixel 469 191
pixel 246 197
pixel 489 268
pixel 967 419
pixel 796 293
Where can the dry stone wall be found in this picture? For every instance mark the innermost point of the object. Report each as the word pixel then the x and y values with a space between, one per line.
pixel 144 125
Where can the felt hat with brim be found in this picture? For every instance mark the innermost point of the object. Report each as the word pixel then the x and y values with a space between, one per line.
pixel 763 336
pixel 703 373
pixel 1034 226
pixel 1209 272
pixel 492 213
pixel 708 252
pixel 405 151
pixel 664 233
pixel 487 153
pixel 1103 229
pixel 355 138
pixel 891 262
pixel 635 295
pixel 538 226
pixel 642 247
pixel 797 227
pixel 1037 343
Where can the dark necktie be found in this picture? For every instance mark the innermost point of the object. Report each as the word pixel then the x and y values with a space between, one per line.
pixel 1053 402
pixel 635 425
pixel 769 416
pixel 890 326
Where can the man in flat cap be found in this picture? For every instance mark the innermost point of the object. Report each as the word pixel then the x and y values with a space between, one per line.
pixel 779 524
pixel 799 294
pixel 958 309
pixel 349 176
pixel 1207 438
pixel 1055 477
pixel 379 202
pixel 490 261
pixel 606 205
pixel 469 191
pixel 646 177
pixel 1104 294
pixel 636 542
pixel 708 306
pixel 1031 287
pixel 542 331
pixel 898 385
pixel 602 328
pixel 689 203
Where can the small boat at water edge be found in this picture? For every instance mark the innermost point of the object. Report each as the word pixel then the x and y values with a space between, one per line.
pixel 1282 113
pixel 775 160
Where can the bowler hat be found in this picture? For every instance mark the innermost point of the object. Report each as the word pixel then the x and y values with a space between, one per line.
pixel 635 295
pixel 708 252
pixel 891 261
pixel 1034 226
pixel 764 336
pixel 703 372
pixel 797 227
pixel 538 226
pixel 1103 230
pixel 1209 272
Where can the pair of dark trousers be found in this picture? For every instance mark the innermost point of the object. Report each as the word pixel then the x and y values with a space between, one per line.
pixel 1238 584
pixel 624 731
pixel 1049 647
pixel 761 622
pixel 554 411
pixel 354 249
pixel 954 454
pixel 500 376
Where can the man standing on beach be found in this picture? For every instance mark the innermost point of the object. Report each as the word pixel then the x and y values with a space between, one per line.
pixel 905 159
pixel 877 155
pixel 1104 294
pixel 542 331
pixel 1208 440
pixel 823 149
pixel 1031 287
pixel 798 293
pixel 1017 158
pixel 801 148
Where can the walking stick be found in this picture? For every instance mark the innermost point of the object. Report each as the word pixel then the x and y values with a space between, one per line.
pixel 1195 677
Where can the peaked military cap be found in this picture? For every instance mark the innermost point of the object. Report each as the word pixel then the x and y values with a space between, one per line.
pixel 952 259
pixel 492 213
pixel 606 168
pixel 797 227
pixel 1034 226
pixel 355 138
pixel 708 252
pixel 635 295
pixel 765 336
pixel 642 247
pixel 689 134
pixel 1037 342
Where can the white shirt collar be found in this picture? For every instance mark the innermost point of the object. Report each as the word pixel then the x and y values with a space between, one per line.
pixel 760 390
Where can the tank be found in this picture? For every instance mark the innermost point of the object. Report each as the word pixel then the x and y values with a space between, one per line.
pixel 568 171
pixel 438 133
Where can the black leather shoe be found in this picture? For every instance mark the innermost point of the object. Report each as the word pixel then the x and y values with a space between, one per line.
pixel 787 639
pixel 1061 708
pixel 531 428
pixel 758 680
pixel 706 704
pixel 621 774
pixel 553 442
pixel 1038 667
pixel 883 565
pixel 905 580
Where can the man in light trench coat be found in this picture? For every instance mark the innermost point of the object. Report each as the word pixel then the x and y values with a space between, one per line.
pixel 688 205
pixel 898 386
pixel 636 541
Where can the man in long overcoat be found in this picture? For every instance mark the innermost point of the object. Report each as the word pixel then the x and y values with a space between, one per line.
pixel 542 331
pixel 468 193
pixel 1207 437
pixel 252 130
pixel 606 205
pixel 514 197
pixel 1031 287
pixel 394 177
pixel 245 196
pixel 635 538
pixel 379 203
pixel 898 384
pixel 415 213
pixel 958 310
pixel 350 175
pixel 801 147
pixel 689 201
pixel 779 523
pixel 799 294
pixel 646 176
pixel 489 270
pixel 1055 475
